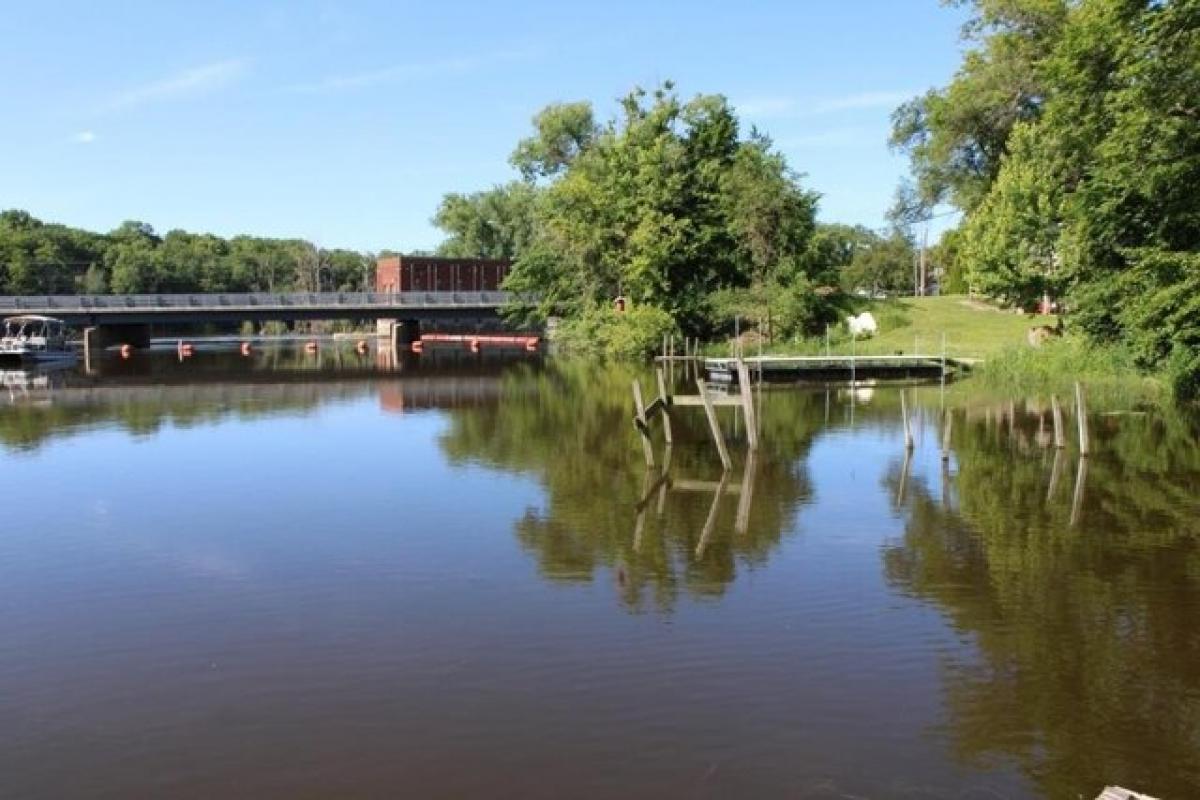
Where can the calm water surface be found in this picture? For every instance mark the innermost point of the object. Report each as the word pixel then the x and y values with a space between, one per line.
pixel 295 577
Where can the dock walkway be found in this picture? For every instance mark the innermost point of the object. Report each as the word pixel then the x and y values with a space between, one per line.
pixel 837 367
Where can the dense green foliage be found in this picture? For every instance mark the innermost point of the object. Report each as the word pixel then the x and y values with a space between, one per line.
pixel 668 206
pixel 1071 136
pixel 42 258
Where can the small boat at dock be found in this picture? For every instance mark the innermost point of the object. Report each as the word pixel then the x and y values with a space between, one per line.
pixel 32 338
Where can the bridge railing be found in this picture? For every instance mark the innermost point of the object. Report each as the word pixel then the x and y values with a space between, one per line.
pixel 123 302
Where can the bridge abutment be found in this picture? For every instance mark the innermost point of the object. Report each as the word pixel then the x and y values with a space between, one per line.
pixel 400 332
pixel 98 337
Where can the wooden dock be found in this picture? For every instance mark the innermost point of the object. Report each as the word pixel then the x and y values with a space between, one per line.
pixel 837 367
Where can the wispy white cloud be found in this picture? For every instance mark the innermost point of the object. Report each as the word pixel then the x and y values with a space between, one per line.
pixel 863 100
pixel 764 106
pixel 84 137
pixel 851 136
pixel 782 106
pixel 189 82
pixel 415 71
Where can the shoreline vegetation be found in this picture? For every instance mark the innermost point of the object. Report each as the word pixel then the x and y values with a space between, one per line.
pixel 971 328
pixel 1067 143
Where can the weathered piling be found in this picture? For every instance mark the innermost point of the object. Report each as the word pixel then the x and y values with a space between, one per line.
pixel 748 404
pixel 1085 445
pixel 1080 485
pixel 640 422
pixel 908 437
pixel 1060 438
pixel 666 401
pixel 710 412
pixel 947 423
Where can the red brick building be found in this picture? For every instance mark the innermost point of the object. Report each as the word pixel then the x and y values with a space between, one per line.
pixel 432 274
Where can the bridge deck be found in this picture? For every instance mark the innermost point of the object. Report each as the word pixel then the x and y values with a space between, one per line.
pixel 98 309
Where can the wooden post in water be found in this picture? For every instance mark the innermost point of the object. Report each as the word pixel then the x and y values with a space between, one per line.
pixel 639 422
pixel 711 521
pixel 947 423
pixel 1080 484
pixel 1060 438
pixel 908 437
pixel 1055 472
pixel 710 411
pixel 853 358
pixel 742 521
pixel 748 404
pixel 665 399
pixel 902 491
pixel 1085 445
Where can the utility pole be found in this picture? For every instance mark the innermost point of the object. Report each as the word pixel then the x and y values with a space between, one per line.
pixel 924 250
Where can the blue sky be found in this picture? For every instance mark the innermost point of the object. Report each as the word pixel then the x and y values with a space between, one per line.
pixel 345 122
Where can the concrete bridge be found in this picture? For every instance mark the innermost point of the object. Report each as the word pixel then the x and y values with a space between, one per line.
pixel 127 318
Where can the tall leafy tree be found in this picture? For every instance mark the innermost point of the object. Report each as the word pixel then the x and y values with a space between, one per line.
pixel 497 223
pixel 664 205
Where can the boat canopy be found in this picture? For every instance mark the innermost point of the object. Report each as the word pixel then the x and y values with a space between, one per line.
pixel 33 325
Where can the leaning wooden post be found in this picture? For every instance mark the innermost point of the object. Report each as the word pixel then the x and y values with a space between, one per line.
pixel 748 404
pixel 665 400
pixel 1081 411
pixel 639 422
pixel 1060 438
pixel 908 437
pixel 711 412
pixel 1080 484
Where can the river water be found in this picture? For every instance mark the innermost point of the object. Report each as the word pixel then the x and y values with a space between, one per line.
pixel 296 575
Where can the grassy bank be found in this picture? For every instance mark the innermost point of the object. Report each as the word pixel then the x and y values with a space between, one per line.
pixel 918 324
pixel 997 338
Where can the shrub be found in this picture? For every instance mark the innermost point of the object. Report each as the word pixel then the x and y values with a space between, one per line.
pixel 635 333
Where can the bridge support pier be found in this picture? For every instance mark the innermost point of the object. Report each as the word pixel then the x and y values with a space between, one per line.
pixel 400 332
pixel 98 337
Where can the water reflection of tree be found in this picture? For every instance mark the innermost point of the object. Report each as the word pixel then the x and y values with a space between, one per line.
pixel 1090 653
pixel 572 431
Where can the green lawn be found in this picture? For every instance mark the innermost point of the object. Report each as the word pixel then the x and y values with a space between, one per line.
pixel 971 328
pixel 916 325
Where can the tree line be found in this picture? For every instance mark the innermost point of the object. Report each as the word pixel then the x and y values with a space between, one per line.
pixel 1070 139
pixel 48 258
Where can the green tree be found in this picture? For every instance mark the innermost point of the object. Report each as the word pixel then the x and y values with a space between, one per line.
pixel 883 265
pixel 562 132
pixel 957 137
pixel 497 223
pixel 664 205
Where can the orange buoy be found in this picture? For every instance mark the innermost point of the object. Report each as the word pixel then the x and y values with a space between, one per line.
pixel 416 347
pixel 185 349
pixel 310 347
pixel 245 348
pixel 531 344
pixel 126 351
